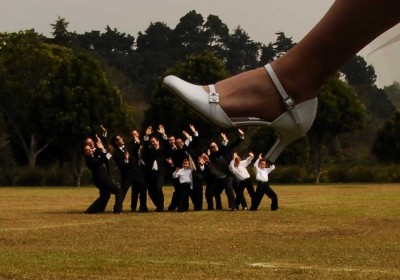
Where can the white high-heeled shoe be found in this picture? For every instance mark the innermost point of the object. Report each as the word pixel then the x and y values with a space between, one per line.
pixel 289 126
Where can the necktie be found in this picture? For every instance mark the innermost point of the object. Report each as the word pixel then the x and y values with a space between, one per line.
pixel 192 164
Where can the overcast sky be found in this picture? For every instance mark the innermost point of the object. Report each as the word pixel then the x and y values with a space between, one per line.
pixel 261 19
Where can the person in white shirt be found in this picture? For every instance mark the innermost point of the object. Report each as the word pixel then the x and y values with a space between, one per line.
pixel 262 169
pixel 184 175
pixel 238 168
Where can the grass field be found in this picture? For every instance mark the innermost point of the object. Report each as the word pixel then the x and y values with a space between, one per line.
pixel 319 232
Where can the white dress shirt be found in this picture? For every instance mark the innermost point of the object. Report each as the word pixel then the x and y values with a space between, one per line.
pixel 240 171
pixel 184 175
pixel 262 173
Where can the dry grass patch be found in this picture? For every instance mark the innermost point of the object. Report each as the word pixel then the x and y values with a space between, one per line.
pixel 319 232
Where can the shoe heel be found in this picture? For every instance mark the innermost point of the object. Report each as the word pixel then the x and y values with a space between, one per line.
pixel 280 144
pixel 287 130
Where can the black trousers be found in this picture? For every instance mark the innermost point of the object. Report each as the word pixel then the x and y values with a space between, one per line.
pixel 99 205
pixel 139 191
pixel 264 188
pixel 239 188
pixel 155 185
pixel 212 193
pixel 183 199
pixel 175 195
pixel 227 185
pixel 196 192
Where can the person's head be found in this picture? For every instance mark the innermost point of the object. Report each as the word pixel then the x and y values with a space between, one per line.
pixel 154 142
pixel 135 134
pixel 117 141
pixel 89 142
pixel 236 161
pixel 186 164
pixel 205 157
pixel 87 150
pixel 213 147
pixel 179 143
pixel 171 141
pixel 262 163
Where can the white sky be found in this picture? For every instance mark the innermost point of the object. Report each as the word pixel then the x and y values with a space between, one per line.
pixel 261 19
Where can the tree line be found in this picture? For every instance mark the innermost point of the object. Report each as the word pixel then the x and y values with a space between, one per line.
pixel 56 91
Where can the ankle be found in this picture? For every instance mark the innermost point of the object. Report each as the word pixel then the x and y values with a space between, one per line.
pixel 296 79
pixel 250 93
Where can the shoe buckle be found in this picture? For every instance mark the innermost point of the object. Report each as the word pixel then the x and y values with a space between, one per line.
pixel 213 97
pixel 289 103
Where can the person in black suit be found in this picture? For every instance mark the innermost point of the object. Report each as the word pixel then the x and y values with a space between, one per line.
pixel 212 178
pixel 177 154
pixel 178 150
pixel 220 157
pixel 127 163
pixel 99 139
pixel 196 192
pixel 135 148
pixel 157 165
pixel 102 179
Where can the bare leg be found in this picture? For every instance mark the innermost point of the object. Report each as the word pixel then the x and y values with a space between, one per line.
pixel 347 27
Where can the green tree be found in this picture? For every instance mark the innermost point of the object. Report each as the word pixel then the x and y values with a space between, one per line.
pixel 155 54
pixel 26 64
pixel 242 52
pixel 82 98
pixel 60 32
pixel 282 44
pixel 358 72
pixel 393 93
pixel 268 54
pixel 217 34
pixel 387 145
pixel 4 141
pixel 156 38
pixel 54 97
pixel 273 50
pixel 110 43
pixel 339 111
pixel 189 36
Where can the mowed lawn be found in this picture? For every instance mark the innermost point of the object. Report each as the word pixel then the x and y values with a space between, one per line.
pixel 349 231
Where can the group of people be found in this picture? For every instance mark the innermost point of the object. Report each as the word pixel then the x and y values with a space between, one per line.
pixel 281 95
pixel 145 163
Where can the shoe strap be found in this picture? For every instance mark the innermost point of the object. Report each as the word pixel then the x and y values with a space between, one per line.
pixel 289 102
pixel 213 99
pixel 213 96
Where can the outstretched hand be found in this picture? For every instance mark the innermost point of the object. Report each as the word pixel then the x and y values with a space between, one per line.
pixel 161 130
pixel 187 135
pixel 192 128
pixel 149 130
pixel 223 136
